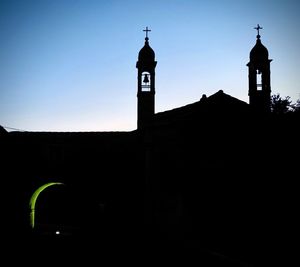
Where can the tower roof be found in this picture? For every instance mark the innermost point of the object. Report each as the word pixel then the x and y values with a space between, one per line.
pixel 146 54
pixel 259 51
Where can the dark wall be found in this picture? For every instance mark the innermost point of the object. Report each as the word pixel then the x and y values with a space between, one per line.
pixel 226 183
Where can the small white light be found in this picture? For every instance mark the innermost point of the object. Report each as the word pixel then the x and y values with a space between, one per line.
pixel 57 232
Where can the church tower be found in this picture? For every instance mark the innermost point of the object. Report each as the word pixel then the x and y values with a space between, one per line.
pixel 146 83
pixel 259 76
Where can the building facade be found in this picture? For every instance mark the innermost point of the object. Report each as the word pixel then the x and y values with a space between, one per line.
pixel 202 173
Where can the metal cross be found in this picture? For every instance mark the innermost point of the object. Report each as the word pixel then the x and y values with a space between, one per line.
pixel 147 31
pixel 257 28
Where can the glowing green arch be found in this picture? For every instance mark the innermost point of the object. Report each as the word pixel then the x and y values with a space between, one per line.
pixel 34 198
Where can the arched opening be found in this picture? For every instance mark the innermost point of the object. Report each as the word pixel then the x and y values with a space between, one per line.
pixel 59 209
pixel 259 79
pixel 33 199
pixel 146 81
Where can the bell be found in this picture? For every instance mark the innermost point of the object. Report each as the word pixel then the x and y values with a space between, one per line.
pixel 146 79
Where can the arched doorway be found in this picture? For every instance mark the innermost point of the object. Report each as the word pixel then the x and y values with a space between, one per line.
pixel 53 209
pixel 33 199
pixel 60 209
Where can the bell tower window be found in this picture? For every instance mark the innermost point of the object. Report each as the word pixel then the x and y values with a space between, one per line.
pixel 259 80
pixel 146 82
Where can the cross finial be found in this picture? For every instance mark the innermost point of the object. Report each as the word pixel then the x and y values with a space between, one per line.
pixel 258 28
pixel 147 30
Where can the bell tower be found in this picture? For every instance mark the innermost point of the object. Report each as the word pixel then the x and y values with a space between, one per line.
pixel 259 77
pixel 146 83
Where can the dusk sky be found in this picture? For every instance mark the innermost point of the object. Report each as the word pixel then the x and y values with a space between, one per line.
pixel 69 65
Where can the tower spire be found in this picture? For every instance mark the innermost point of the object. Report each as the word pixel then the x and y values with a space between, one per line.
pixel 146 83
pixel 259 76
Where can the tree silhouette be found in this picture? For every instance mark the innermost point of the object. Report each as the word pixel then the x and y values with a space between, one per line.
pixel 296 107
pixel 281 105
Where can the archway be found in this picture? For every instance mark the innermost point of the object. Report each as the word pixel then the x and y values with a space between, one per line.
pixel 33 200
pixel 68 210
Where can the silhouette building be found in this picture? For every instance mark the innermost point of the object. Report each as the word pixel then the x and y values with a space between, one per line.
pixel 200 172
pixel 259 76
pixel 146 83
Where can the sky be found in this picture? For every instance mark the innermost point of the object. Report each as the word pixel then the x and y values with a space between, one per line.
pixel 70 65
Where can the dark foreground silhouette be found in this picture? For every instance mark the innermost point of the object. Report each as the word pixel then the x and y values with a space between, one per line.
pixel 61 251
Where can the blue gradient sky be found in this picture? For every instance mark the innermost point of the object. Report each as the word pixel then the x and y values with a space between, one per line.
pixel 69 65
